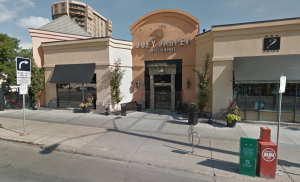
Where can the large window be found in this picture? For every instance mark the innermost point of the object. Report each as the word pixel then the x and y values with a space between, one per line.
pixel 260 101
pixel 71 95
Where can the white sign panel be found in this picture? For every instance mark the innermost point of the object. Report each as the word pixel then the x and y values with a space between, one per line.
pixel 23 69
pixel 23 81
pixel 282 84
pixel 23 89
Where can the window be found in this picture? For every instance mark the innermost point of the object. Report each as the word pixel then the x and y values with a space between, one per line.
pixel 63 4
pixel 55 11
pixel 55 5
pixel 63 10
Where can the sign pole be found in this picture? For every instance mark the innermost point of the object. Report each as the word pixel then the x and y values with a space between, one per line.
pixel 23 89
pixel 24 113
pixel 281 90
pixel 23 70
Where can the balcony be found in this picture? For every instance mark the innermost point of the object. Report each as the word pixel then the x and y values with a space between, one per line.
pixel 77 13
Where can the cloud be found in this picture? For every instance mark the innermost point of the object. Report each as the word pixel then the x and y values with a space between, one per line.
pixel 26 45
pixel 9 8
pixel 32 22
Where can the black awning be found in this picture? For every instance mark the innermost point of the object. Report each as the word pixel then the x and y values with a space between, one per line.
pixel 267 69
pixel 73 73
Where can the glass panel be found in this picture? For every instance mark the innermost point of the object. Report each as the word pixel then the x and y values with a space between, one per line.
pixel 63 104
pixel 147 91
pixel 163 97
pixel 252 102
pixel 297 118
pixel 298 102
pixel 162 78
pixel 63 94
pixel 239 96
pixel 269 97
pixel 76 93
pixel 273 116
pixel 288 98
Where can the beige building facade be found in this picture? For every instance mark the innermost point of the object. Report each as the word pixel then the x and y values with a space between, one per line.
pixel 90 20
pixel 102 52
pixel 247 47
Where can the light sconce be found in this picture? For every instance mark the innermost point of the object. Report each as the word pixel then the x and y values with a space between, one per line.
pixel 188 84
pixel 137 83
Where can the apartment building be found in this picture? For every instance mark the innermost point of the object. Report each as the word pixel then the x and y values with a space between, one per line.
pixel 91 21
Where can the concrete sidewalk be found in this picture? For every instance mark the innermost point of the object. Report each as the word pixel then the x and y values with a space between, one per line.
pixel 157 139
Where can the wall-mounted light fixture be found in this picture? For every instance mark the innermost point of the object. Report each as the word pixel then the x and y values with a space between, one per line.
pixel 188 84
pixel 137 83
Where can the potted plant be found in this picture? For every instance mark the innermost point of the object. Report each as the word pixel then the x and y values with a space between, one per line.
pixel 232 115
pixel 88 99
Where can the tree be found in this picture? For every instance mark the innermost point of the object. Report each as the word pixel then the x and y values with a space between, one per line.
pixel 115 78
pixel 9 48
pixel 202 84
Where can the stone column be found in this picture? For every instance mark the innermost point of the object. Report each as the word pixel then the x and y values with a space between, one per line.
pixel 152 94
pixel 172 92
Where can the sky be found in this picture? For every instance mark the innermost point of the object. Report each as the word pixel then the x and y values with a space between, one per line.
pixel 16 16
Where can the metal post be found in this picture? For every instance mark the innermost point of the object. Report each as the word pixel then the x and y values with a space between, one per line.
pixel 24 133
pixel 69 95
pixel 82 93
pixel 192 138
pixel 23 113
pixel 279 115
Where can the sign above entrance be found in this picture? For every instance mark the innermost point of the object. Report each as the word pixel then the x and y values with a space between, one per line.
pixel 166 45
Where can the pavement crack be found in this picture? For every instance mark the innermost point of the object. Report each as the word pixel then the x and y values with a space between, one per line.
pixel 212 161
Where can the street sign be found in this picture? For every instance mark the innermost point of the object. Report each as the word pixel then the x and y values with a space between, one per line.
pixel 23 69
pixel 282 84
pixel 23 90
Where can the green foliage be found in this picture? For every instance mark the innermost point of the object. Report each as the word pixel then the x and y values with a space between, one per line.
pixel 115 77
pixel 232 111
pixel 202 84
pixel 231 117
pixel 37 81
pixel 9 50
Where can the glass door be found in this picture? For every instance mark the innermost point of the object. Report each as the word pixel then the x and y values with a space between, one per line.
pixel 163 97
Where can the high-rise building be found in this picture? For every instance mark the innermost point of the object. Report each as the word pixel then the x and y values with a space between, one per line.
pixel 91 21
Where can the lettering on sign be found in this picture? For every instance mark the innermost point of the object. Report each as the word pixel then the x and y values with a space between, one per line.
pixel 166 45
pixel 269 155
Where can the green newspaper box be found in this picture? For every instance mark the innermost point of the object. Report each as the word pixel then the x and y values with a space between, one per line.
pixel 248 153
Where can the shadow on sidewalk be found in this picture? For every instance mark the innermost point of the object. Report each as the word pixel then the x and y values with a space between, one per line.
pixel 221 165
pixel 8 129
pixel 51 148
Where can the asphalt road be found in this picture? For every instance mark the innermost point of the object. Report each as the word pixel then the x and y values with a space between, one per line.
pixel 20 162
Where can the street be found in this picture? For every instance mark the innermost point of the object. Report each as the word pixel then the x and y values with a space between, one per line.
pixel 20 162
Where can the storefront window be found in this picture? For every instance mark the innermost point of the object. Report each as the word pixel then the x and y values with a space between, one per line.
pixel 70 95
pixel 261 101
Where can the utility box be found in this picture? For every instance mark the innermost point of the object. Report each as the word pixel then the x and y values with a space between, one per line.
pixel 265 134
pixel 248 155
pixel 266 164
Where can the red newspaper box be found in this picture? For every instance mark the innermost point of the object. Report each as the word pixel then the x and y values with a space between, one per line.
pixel 266 165
pixel 265 134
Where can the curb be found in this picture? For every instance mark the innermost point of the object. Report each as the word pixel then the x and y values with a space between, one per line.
pixel 270 123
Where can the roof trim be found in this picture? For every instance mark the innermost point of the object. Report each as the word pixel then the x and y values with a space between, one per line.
pixel 264 21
